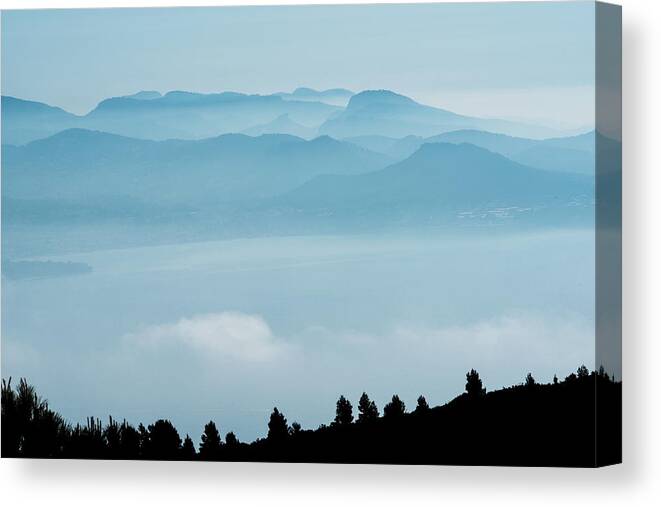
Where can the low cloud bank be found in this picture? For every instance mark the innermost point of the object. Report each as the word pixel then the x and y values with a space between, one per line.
pixel 231 335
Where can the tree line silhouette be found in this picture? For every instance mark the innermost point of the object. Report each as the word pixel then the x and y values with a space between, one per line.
pixel 574 422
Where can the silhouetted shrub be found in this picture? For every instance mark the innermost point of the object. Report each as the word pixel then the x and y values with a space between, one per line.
pixel 295 429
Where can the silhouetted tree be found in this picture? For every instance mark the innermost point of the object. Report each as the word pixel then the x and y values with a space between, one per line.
pixel 343 411
pixel 188 449
pixel 422 406
pixel 113 438
pixel 32 429
pixel 295 429
pixel 395 408
pixel 130 441
pixel 210 442
pixel 530 380
pixel 278 429
pixel 231 440
pixel 555 379
pixel 11 426
pixel 164 440
pixel 88 441
pixel 143 437
pixel 582 371
pixel 474 387
pixel 367 409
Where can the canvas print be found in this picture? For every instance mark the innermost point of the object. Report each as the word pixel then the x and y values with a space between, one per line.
pixel 382 234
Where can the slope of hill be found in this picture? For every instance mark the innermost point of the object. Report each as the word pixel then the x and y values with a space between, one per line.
pixel 573 423
pixel 383 112
pixel 25 120
pixel 441 183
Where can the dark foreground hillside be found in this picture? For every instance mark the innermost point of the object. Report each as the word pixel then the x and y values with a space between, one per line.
pixel 575 422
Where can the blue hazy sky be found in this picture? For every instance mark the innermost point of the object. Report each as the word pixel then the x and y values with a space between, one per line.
pixel 531 60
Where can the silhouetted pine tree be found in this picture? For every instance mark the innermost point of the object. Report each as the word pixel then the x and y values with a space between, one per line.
pixel 278 429
pixel 113 439
pixel 231 440
pixel 530 380
pixel 164 440
pixel 395 408
pixel 422 406
pixel 130 441
pixel 11 426
pixel 474 387
pixel 188 449
pixel 367 409
pixel 343 411
pixel 143 439
pixel 210 443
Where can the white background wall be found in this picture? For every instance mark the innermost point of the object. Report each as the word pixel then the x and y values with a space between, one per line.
pixel 636 482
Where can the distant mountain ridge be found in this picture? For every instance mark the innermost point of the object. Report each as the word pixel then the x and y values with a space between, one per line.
pixel 386 113
pixel 174 115
pixel 567 154
pixel 441 183
pixel 188 115
pixel 230 167
pixel 26 120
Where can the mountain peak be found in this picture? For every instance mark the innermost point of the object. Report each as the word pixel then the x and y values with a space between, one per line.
pixel 369 97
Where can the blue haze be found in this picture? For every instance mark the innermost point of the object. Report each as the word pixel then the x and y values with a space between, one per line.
pixel 447 55
pixel 207 256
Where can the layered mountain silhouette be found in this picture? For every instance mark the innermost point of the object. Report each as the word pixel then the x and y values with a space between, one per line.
pixel 230 168
pixel 441 183
pixel 25 120
pixel 568 154
pixel 395 166
pixel 187 115
pixel 177 114
pixel 385 113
